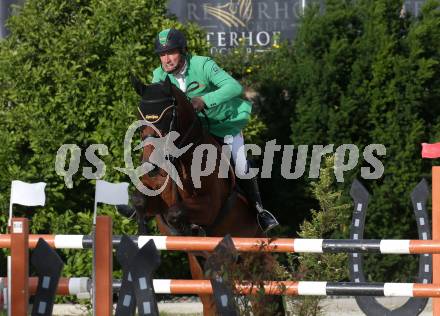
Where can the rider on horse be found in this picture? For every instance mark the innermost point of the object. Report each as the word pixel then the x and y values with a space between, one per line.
pixel 213 91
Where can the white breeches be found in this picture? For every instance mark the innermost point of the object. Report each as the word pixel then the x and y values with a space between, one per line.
pixel 236 144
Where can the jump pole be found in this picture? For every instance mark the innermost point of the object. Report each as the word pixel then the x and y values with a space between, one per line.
pixel 81 286
pixel 298 245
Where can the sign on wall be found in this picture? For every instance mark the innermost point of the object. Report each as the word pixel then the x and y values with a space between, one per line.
pixel 258 23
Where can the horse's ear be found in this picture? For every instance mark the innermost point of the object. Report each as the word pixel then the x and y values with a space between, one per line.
pixel 137 84
pixel 167 85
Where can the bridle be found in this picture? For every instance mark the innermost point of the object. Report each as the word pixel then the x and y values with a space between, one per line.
pixel 173 123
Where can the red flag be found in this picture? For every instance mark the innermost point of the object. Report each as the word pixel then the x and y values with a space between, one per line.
pixel 430 150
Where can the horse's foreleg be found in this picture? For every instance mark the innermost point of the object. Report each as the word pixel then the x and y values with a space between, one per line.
pixel 197 274
pixel 269 304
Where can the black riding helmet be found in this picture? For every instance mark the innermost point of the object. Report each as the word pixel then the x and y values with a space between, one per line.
pixel 169 39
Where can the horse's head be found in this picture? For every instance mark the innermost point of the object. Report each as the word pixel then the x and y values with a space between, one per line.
pixel 172 126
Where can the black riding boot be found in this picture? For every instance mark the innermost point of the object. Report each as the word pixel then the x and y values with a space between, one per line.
pixel 265 219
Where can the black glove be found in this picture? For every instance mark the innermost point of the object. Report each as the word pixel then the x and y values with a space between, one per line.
pixel 198 104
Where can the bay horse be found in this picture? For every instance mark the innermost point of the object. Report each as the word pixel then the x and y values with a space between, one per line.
pixel 214 208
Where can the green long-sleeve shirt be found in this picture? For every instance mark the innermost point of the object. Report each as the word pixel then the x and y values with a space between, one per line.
pixel 227 112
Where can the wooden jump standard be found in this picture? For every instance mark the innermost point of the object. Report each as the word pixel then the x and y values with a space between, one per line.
pixel 19 245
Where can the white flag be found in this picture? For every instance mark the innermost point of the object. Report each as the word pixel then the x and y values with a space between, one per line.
pixel 29 194
pixel 111 193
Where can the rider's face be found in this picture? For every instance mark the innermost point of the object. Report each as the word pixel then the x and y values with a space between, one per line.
pixel 171 60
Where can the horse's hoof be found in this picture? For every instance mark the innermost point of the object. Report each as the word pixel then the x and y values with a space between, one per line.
pixel 139 201
pixel 126 210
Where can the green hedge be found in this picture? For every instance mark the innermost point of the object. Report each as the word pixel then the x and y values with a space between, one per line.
pixel 358 72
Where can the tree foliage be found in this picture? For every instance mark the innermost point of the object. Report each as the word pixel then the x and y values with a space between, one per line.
pixel 329 221
pixel 64 78
pixel 358 72
pixel 370 75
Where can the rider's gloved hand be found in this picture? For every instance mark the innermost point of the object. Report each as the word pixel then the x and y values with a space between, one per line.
pixel 198 104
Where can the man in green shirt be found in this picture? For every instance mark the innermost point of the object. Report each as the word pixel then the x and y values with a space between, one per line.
pixel 213 90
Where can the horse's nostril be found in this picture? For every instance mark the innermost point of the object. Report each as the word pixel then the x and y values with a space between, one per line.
pixel 153 172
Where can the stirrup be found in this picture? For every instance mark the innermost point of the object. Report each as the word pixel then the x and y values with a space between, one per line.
pixel 265 219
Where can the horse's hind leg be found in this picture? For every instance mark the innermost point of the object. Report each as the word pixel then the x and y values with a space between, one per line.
pixel 197 274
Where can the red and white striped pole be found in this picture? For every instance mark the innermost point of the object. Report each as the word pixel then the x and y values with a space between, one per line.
pixel 298 245
pixel 82 287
